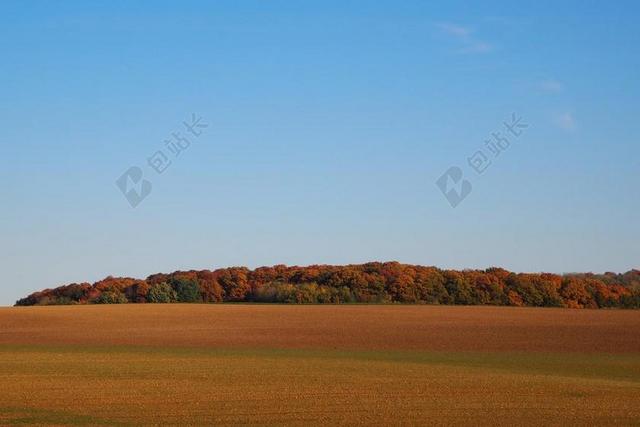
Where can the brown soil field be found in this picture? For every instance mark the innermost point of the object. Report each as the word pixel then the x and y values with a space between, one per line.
pixel 318 365
pixel 361 327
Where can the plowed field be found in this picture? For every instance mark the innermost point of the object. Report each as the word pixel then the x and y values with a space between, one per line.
pixel 275 364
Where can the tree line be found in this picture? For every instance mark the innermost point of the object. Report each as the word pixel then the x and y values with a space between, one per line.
pixel 374 282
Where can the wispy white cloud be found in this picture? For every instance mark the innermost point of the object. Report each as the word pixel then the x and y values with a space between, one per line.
pixel 565 121
pixel 551 85
pixel 478 47
pixel 455 30
pixel 464 36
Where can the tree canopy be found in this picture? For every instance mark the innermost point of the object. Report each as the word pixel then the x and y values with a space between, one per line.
pixel 374 282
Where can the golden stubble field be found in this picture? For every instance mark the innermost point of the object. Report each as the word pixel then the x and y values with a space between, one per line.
pixel 275 364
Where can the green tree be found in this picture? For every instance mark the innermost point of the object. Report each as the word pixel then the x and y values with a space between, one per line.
pixel 161 293
pixel 458 288
pixel 187 290
pixel 111 297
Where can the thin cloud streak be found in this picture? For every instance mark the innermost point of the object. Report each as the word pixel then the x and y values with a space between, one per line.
pixel 455 30
pixel 551 85
pixel 565 121
pixel 464 36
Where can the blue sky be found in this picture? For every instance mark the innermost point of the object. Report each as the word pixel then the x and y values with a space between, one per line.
pixel 328 126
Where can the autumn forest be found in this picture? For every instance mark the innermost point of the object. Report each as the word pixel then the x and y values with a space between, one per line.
pixel 375 282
